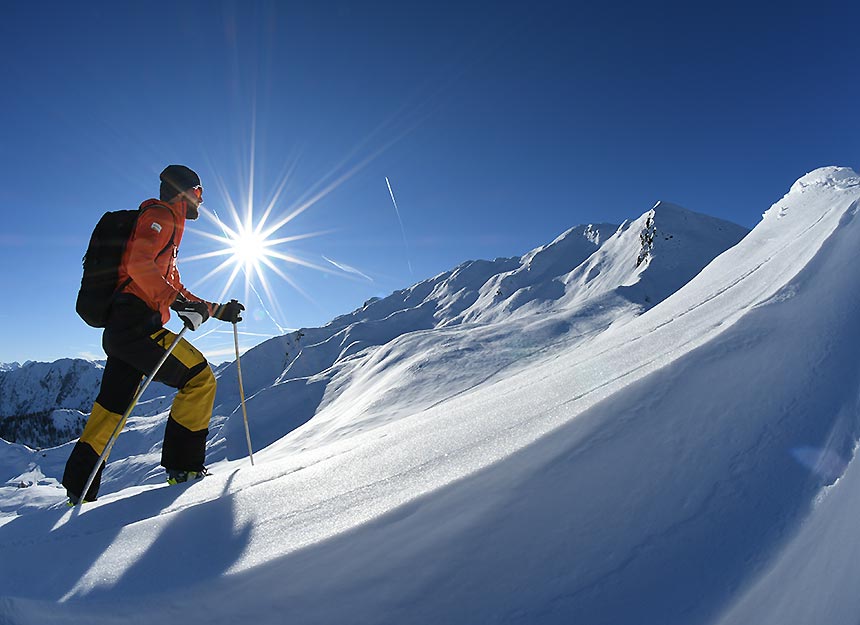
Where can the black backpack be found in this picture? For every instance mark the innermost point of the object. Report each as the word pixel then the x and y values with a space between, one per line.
pixel 101 262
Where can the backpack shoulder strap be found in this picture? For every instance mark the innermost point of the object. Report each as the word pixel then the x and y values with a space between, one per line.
pixel 173 219
pixel 128 280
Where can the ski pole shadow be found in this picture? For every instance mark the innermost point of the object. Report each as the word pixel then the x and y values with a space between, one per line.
pixel 195 544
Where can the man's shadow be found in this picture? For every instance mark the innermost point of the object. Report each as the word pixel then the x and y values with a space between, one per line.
pixel 46 555
pixel 196 543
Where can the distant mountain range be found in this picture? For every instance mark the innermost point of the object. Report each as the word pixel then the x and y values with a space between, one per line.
pixel 46 404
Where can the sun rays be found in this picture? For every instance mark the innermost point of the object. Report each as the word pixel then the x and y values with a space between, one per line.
pixel 249 249
pixel 254 245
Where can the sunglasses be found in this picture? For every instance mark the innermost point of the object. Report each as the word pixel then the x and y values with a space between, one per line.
pixel 198 192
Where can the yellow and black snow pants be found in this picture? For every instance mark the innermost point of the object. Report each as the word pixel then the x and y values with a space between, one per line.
pixel 134 342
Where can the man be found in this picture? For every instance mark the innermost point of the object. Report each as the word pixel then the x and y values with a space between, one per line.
pixel 135 340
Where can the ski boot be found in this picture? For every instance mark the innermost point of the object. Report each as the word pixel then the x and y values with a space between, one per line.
pixel 178 477
pixel 74 499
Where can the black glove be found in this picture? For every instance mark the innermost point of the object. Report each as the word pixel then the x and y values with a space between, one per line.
pixel 193 314
pixel 230 311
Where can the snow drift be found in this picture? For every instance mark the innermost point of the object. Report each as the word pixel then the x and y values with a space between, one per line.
pixel 687 462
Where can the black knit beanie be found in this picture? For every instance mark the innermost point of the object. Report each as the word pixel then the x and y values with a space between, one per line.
pixel 175 179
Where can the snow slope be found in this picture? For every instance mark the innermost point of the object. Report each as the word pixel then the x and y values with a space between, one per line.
pixel 40 387
pixel 48 401
pixel 463 328
pixel 690 464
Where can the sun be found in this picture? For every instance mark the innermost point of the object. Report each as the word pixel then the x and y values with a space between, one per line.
pixel 253 251
pixel 252 246
pixel 248 248
pixel 253 243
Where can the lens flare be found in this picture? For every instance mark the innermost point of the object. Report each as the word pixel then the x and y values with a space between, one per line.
pixel 825 463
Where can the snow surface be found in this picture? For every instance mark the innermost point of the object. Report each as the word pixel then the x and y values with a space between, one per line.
pixel 592 444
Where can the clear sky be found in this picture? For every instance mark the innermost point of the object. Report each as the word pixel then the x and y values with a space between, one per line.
pixel 498 125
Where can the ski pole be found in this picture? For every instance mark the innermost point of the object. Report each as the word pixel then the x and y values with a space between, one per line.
pixel 121 423
pixel 242 392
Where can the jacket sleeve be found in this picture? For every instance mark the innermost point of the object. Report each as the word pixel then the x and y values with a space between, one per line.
pixel 152 234
pixel 177 282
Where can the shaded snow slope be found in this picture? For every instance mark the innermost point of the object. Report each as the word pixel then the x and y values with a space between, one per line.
pixel 674 467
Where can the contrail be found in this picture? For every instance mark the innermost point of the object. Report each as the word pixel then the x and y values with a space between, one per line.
pixel 348 269
pixel 402 230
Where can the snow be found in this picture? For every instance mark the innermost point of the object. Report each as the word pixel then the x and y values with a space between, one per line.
pixel 648 423
pixel 66 384
pixel 833 177
pixel 39 387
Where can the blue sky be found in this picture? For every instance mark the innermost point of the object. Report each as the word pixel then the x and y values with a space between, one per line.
pixel 499 125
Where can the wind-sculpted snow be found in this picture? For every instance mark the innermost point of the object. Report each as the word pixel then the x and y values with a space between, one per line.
pixel 684 461
pixel 838 178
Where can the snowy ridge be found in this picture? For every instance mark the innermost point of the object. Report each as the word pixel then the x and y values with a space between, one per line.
pixel 39 386
pixel 466 326
pixel 840 178
pixel 483 291
pixel 44 404
pixel 590 484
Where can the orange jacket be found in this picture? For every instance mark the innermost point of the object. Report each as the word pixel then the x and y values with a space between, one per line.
pixel 150 258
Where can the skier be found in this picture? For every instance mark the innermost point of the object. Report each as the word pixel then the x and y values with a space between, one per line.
pixel 135 340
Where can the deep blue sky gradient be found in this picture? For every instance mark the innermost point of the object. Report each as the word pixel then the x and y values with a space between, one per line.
pixel 499 125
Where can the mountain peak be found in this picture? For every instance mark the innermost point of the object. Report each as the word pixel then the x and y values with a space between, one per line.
pixel 676 243
pixel 668 207
pixel 669 214
pixel 832 176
